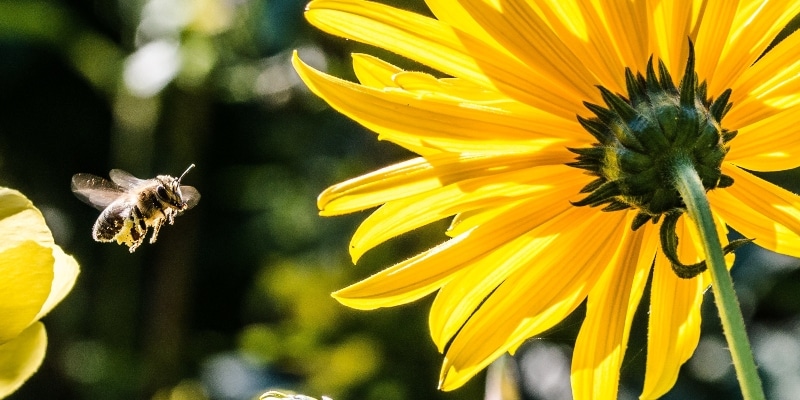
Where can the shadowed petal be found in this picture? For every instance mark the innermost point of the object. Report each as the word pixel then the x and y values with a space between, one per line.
pixel 21 357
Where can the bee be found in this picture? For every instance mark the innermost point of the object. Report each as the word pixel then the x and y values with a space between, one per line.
pixel 131 205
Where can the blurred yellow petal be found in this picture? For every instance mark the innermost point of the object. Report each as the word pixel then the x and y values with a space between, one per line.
pixel 20 221
pixel 535 298
pixel 26 275
pixel 65 273
pixel 21 357
pixel 603 338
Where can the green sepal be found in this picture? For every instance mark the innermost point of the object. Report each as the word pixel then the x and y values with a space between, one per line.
pixel 719 107
pixel 669 246
pixel 632 162
pixel 666 79
pixel 689 82
pixel 724 181
pixel 639 220
pixel 618 104
pixel 603 194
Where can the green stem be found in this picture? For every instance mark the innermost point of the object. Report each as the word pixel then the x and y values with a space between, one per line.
pixel 693 193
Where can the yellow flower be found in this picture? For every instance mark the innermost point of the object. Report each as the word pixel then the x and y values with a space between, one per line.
pixel 35 275
pixel 497 136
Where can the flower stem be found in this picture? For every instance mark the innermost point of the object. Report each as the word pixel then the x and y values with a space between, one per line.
pixel 688 184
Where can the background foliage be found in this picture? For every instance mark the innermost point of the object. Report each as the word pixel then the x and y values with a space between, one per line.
pixel 234 299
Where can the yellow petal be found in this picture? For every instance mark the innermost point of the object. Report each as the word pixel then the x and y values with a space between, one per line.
pixel 536 297
pixel 621 18
pixel 400 216
pixel 20 221
pixel 603 338
pixel 465 221
pixel 616 37
pixel 439 46
pixel 519 28
pixel 713 30
pixel 374 72
pixel 453 14
pixel 671 23
pixel 65 273
pixel 378 74
pixel 26 276
pixel 755 25
pixel 760 210
pixel 465 292
pixel 422 274
pixel 674 324
pixel 769 144
pixel 21 357
pixel 402 117
pixel 421 175
pixel 759 92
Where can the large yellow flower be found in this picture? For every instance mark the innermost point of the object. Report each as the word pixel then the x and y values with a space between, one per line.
pixel 497 136
pixel 35 275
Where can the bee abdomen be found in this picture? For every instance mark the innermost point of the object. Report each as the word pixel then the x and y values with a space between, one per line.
pixel 110 223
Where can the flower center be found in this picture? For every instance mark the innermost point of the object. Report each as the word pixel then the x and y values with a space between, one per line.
pixel 640 136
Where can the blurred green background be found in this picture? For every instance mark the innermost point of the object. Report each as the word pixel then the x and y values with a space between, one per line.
pixel 234 299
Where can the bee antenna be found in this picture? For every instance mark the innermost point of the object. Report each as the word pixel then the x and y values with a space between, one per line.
pixel 184 172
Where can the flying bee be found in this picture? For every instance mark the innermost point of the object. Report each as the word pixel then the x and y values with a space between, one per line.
pixel 131 205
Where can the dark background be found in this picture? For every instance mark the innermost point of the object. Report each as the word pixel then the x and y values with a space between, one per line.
pixel 234 298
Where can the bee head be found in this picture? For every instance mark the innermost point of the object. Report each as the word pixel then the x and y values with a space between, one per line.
pixel 169 191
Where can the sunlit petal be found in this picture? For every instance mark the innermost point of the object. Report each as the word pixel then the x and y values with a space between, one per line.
pixel 603 337
pixel 401 117
pixel 439 46
pixel 760 210
pixel 400 216
pixel 674 323
pixel 755 25
pixel 535 298
pixel 426 272
pixel 421 175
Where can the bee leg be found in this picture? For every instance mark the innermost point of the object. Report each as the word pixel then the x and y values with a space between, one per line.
pixel 170 214
pixel 156 227
pixel 138 229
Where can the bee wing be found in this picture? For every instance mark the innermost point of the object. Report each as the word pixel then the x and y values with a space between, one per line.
pixel 125 179
pixel 190 195
pixel 95 191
